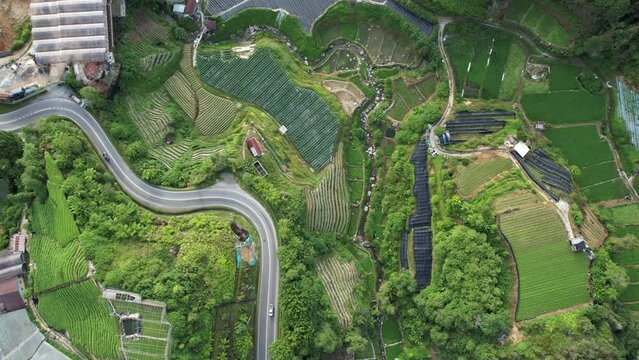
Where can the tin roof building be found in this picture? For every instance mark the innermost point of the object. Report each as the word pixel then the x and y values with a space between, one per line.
pixel 67 31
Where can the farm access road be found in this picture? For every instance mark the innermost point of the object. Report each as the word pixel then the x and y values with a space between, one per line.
pixel 226 194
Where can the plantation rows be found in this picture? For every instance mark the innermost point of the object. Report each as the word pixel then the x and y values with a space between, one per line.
pixel 151 62
pixel 473 176
pixel 82 312
pixel 178 87
pixel 339 279
pixel 147 312
pixel 328 204
pixel 514 201
pixel 551 276
pixel 312 126
pixel 148 30
pixel 216 113
pixel 150 117
pixel 54 265
pixel 406 97
pixel 168 154
pixel 54 217
pixel 187 69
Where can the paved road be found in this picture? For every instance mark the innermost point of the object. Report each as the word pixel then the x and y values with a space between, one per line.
pixel 226 194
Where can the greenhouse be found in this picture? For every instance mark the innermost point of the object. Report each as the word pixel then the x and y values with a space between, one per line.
pixel 69 30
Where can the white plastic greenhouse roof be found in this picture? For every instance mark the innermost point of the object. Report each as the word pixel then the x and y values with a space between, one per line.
pixel 69 30
pixel 20 339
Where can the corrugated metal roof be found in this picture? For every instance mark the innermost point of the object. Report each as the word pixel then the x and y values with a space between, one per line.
pixel 20 339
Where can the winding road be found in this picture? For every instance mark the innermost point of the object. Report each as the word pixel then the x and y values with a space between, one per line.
pixel 226 194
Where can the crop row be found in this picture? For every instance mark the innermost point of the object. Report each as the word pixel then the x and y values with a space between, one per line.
pixel 628 105
pixel 312 126
pixel 473 176
pixel 55 265
pixel 178 87
pixel 551 276
pixel 187 69
pixel 339 279
pixel 328 204
pixel 145 346
pixel 54 217
pixel 150 118
pixel 81 311
pixel 514 201
pixel 153 61
pixel 216 113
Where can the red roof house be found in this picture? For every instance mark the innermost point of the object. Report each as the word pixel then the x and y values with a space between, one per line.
pixel 190 7
pixel 11 295
pixel 254 146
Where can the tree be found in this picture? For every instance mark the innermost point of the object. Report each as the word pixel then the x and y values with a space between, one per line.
pixel 93 98
pixel 356 342
pixel 11 149
pixel 396 291
pixel 326 340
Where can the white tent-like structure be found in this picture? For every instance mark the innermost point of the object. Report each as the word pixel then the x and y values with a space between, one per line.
pixel 69 30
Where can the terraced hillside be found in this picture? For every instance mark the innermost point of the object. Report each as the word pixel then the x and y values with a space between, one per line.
pixel 261 80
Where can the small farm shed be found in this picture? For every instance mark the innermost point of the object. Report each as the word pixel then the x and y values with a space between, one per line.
pixel 254 146
pixel 210 25
pixel 522 149
pixel 577 244
pixel 11 297
pixel 282 129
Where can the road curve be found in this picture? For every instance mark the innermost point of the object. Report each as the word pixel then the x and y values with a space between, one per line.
pixel 226 194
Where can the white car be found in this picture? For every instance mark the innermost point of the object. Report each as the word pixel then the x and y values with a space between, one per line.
pixel 271 310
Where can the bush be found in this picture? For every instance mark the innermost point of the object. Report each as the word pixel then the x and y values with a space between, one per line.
pixel 189 24
pixel 23 34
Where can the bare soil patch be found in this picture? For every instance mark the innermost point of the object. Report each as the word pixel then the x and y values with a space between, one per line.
pixel 12 14
pixel 348 95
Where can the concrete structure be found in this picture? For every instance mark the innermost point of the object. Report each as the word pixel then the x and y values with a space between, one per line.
pixel 118 8
pixel 113 294
pixel 67 31
pixel 18 243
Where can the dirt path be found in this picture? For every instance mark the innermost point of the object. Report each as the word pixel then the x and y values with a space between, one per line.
pixel 556 312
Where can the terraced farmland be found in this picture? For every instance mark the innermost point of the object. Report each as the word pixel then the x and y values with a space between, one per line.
pixel 82 312
pixel 327 206
pixel 582 146
pixel 216 113
pixel 147 32
pixel 55 265
pixel 407 96
pixel 149 116
pixel 551 276
pixel 481 59
pixel 473 176
pixel 150 62
pixel 168 154
pixel 178 87
pixel 628 105
pixel 533 16
pixel 339 278
pixel 260 79
pixel 54 217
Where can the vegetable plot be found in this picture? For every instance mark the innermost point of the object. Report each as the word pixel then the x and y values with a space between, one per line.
pixel 339 279
pixel 312 126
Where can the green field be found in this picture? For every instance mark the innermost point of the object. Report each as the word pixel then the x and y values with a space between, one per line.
pixel 533 16
pixel 564 77
pixel 392 337
pixel 621 215
pixel 473 176
pixel 564 107
pixel 483 60
pixel 312 125
pixel 551 276
pixel 81 311
pixel 583 147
